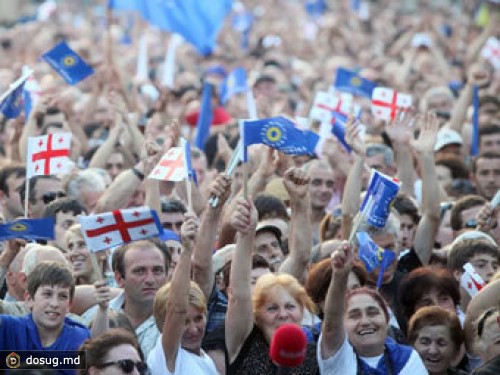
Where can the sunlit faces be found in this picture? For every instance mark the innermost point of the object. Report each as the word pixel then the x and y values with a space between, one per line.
pixel 485 265
pixel 320 186
pixel 78 255
pixel 487 176
pixel 279 308
pixel 49 306
pixel 194 329
pixel 436 348
pixel 366 325
pixel 435 297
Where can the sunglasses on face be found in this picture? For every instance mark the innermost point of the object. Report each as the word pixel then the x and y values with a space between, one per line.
pixel 52 195
pixel 127 366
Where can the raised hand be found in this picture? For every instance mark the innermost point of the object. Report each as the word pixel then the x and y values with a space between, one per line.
pixel 244 216
pixel 221 188
pixel 400 129
pixel 342 259
pixel 296 183
pixel 478 75
pixel 353 138
pixel 428 133
pixel 102 294
pixel 189 231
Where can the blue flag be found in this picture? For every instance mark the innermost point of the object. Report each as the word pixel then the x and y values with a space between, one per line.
pixel 68 63
pixel 235 83
pixel 373 256
pixel 204 117
pixel 191 173
pixel 198 21
pixel 280 134
pixel 242 22
pixel 381 192
pixel 28 229
pixel 315 8
pixel 169 235
pixel 351 82
pixel 475 122
pixel 338 129
pixel 12 105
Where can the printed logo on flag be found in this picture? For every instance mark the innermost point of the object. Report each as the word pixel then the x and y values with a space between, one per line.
pixel 69 61
pixel 274 134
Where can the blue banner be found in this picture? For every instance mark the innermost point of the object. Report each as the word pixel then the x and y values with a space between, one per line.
pixel 28 229
pixel 204 117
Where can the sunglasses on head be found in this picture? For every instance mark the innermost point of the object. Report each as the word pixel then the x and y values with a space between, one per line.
pixel 127 366
pixel 52 195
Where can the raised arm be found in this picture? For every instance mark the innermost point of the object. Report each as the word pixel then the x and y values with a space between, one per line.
pixel 178 296
pixel 333 332
pixel 100 323
pixel 429 222
pixel 202 260
pixel 239 318
pixel 297 186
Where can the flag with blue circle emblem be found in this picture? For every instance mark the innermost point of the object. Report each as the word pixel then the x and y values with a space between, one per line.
pixel 349 81
pixel 373 256
pixel 235 83
pixel 12 105
pixel 280 134
pixel 68 63
pixel 28 229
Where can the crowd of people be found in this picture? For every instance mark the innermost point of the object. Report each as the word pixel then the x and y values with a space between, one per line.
pixel 279 246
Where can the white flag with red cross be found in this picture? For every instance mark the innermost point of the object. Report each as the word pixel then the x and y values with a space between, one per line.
pixel 491 52
pixel 48 155
pixel 471 281
pixel 386 103
pixel 326 104
pixel 175 165
pixel 110 229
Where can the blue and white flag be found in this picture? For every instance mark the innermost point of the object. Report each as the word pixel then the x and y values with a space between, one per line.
pixel 280 134
pixel 31 93
pixel 28 229
pixel 349 81
pixel 199 22
pixel 68 63
pixel 381 192
pixel 338 129
pixel 235 83
pixel 373 256
pixel 12 105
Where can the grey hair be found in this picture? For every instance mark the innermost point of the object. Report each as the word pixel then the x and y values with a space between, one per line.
pixel 391 227
pixel 87 179
pixel 35 254
pixel 373 149
pixel 315 163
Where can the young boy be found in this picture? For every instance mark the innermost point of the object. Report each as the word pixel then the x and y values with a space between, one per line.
pixel 50 293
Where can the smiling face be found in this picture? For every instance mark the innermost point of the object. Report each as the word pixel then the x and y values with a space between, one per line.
pixel 366 325
pixel 194 329
pixel 279 308
pixel 436 348
pixel 78 255
pixel 49 305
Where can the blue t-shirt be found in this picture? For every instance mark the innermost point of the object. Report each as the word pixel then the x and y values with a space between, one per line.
pixel 21 333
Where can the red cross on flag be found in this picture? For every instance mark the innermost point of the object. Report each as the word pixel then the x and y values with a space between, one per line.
pixel 491 52
pixel 326 103
pixel 174 165
pixel 110 229
pixel 471 281
pixel 48 155
pixel 386 103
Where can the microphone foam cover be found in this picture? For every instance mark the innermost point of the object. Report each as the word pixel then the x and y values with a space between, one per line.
pixel 288 346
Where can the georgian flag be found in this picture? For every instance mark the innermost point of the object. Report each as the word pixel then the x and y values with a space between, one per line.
pixel 327 105
pixel 471 281
pixel 491 52
pixel 109 229
pixel 175 165
pixel 386 103
pixel 48 155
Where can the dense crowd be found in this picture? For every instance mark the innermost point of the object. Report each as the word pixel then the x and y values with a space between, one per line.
pixel 280 246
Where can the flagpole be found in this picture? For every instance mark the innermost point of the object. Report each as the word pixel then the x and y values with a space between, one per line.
pixel 26 195
pixel 359 218
pixel 189 195
pixel 245 180
pixel 109 40
pixel 97 269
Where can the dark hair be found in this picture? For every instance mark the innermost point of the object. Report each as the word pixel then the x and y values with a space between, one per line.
pixel 486 155
pixel 436 316
pixel 489 130
pixel 33 182
pixel 320 275
pixel 50 273
pixel 372 293
pixel 329 227
pixel 98 347
pixel 454 163
pixel 118 260
pixel 462 204
pixel 63 205
pixel 423 280
pixel 405 206
pixel 461 252
pixel 270 207
pixel 6 172
pixel 258 261
pixel 172 205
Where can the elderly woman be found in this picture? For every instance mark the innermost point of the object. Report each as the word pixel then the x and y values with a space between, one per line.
pixel 488 334
pixel 180 313
pixel 354 333
pixel 436 334
pixel 114 352
pixel 252 319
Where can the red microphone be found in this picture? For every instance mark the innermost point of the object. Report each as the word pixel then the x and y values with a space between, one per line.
pixel 288 346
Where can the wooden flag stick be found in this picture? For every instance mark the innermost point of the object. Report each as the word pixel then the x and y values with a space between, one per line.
pixel 95 265
pixel 189 189
pixel 359 218
pixel 245 180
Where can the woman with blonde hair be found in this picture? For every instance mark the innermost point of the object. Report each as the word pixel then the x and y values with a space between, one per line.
pixel 252 319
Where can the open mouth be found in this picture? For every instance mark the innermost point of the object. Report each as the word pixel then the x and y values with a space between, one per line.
pixel 52 314
pixel 366 332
